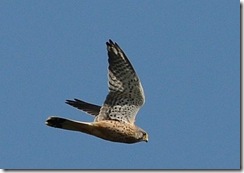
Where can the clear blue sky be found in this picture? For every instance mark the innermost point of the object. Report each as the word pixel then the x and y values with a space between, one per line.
pixel 186 54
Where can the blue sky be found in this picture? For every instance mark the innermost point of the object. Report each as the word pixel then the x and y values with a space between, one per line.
pixel 186 53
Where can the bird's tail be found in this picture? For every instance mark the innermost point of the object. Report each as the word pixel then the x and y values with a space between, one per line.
pixel 67 124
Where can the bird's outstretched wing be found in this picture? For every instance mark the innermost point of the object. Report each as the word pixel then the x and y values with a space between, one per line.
pixel 126 94
pixel 84 106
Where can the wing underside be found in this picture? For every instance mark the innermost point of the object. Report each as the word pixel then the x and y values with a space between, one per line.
pixel 126 94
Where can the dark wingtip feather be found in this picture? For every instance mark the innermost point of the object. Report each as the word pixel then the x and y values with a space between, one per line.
pixel 69 102
pixel 111 43
pixel 84 106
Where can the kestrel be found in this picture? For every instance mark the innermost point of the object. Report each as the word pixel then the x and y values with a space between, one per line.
pixel 114 120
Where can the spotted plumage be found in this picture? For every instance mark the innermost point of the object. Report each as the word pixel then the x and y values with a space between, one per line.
pixel 114 120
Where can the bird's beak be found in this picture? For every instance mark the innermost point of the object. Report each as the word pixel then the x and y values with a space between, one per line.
pixel 145 138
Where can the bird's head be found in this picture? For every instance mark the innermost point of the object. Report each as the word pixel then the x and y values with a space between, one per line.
pixel 142 135
pixel 145 137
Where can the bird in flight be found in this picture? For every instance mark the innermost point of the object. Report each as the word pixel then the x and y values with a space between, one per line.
pixel 115 119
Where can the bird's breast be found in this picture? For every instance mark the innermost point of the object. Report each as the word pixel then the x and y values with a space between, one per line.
pixel 115 131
